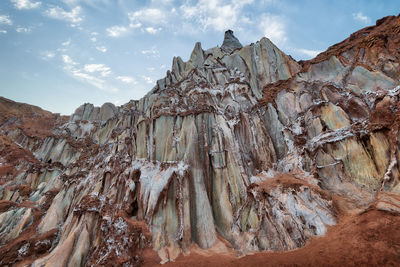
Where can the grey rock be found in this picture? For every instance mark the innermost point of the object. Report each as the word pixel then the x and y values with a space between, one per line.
pixel 231 43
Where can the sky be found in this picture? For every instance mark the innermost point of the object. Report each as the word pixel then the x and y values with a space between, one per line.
pixel 61 54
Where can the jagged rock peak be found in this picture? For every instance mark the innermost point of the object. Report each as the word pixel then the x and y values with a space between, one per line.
pixel 89 112
pixel 230 43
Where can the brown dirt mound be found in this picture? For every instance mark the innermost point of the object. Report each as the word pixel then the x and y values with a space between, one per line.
pixel 371 238
pixel 32 120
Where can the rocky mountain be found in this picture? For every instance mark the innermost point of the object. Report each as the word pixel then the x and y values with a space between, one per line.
pixel 240 149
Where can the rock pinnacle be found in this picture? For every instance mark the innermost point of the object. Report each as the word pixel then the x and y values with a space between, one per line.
pixel 230 43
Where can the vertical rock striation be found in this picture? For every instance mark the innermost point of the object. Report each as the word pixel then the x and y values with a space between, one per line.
pixel 239 143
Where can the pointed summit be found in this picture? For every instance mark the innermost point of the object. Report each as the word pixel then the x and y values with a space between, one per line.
pixel 230 43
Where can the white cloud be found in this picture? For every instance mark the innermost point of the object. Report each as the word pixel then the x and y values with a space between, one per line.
pixel 47 55
pixel 88 73
pixel 148 19
pixel 361 18
pixel 310 53
pixel 25 4
pixel 273 27
pixel 3 31
pixel 162 2
pixel 68 60
pixel 127 79
pixel 217 14
pixel 101 48
pixel 93 38
pixel 50 54
pixel 147 79
pixel 189 17
pixel 23 29
pixel 66 43
pixel 135 25
pixel 92 3
pixel 269 2
pixel 151 16
pixel 152 30
pixel 102 69
pixel 5 20
pixel 99 83
pixel 74 16
pixel 117 31
pixel 152 52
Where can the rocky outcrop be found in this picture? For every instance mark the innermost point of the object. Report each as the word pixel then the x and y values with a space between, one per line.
pixel 231 43
pixel 239 143
pixel 87 112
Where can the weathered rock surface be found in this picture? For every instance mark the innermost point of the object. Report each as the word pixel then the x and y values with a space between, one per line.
pixel 239 143
pixel 231 43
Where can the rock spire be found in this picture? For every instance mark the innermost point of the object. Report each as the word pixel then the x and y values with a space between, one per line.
pixel 230 43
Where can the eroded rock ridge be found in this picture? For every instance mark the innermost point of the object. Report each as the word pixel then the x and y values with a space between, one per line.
pixel 238 143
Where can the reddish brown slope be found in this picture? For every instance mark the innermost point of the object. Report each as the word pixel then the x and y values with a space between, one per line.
pixel 368 45
pixel 368 239
pixel 33 120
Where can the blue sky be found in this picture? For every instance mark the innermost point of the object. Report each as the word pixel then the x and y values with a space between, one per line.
pixel 60 54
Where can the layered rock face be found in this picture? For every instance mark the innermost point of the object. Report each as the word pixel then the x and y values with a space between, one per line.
pixel 239 143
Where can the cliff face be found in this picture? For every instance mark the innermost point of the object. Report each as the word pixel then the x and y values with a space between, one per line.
pixel 242 144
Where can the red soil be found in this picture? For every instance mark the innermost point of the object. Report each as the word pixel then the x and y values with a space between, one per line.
pixel 371 238
pixel 32 120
